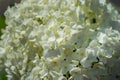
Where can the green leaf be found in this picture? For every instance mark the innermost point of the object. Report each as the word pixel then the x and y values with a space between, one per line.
pixel 3 76
pixel 2 23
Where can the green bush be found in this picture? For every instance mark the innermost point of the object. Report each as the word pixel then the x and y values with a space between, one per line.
pixel 2 23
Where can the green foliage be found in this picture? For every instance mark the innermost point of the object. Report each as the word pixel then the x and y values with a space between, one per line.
pixel 2 23
pixel 3 76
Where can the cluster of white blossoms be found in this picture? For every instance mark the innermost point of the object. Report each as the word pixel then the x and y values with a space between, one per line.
pixel 61 40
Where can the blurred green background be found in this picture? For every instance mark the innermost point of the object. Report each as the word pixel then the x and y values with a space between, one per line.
pixel 2 23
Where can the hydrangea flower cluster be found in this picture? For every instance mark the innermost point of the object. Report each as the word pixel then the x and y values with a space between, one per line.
pixel 61 40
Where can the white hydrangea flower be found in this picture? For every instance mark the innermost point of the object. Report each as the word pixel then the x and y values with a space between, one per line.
pixel 76 74
pixel 61 40
pixel 2 51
